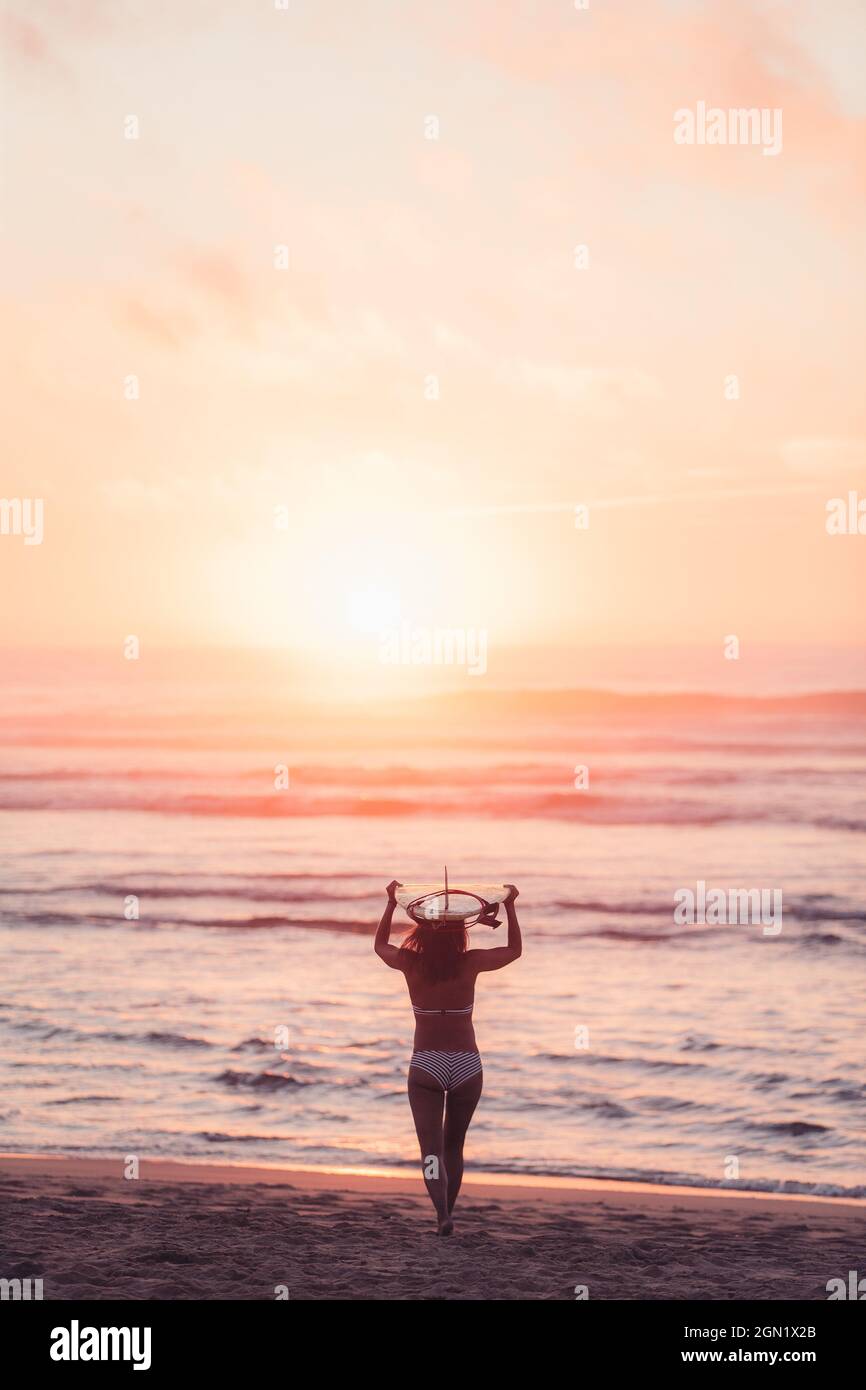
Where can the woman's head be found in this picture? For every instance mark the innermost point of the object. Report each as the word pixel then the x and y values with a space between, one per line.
pixel 438 950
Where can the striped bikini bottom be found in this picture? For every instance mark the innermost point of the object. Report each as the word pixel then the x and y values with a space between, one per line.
pixel 449 1068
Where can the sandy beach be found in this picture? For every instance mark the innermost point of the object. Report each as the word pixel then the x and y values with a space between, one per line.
pixel 196 1231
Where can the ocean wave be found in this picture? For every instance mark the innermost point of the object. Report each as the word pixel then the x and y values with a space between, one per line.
pixel 260 1081
pixel 48 1030
pixel 624 934
pixel 647 935
pixel 794 1129
pixel 666 1178
pixel 267 888
pixel 668 1103
pixel 812 909
pixel 174 1040
pixel 485 800
pixel 543 773
pixel 607 1109
pixel 695 1043
pixel 852 823
pixel 262 923
pixel 211 1137
pixel 254 1045
pixel 83 1100
pixel 598 1059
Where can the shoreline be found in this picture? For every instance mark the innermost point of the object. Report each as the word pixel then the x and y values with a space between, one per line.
pixel 397 1182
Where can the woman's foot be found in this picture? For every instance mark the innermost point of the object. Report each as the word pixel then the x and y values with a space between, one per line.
pixel 446 1226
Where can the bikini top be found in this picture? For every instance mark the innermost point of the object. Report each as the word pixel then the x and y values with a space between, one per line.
pixel 467 1010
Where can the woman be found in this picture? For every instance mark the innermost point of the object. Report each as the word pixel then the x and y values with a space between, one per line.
pixel 445 1075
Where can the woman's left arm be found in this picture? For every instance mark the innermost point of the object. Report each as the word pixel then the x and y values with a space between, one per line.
pixel 498 956
pixel 390 954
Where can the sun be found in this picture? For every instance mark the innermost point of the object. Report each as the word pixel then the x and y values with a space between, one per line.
pixel 371 610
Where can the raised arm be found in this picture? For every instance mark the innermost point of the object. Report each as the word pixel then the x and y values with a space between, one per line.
pixel 502 955
pixel 390 954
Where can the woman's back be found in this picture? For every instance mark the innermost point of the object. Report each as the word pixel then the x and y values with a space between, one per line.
pixel 453 992
pixel 443 1007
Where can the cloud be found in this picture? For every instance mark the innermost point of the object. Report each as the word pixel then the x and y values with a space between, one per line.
pixel 821 458
pixel 166 328
pixel 592 68
pixel 603 387
pixel 600 388
pixel 217 279
pixel 26 44
pixel 24 39
pixel 218 275
pixel 652 499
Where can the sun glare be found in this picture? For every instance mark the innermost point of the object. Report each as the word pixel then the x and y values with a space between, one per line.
pixel 371 610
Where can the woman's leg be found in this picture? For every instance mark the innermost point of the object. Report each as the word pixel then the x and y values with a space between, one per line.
pixel 458 1112
pixel 427 1100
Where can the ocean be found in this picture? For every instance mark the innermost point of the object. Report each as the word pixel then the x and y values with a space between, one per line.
pixel 187 953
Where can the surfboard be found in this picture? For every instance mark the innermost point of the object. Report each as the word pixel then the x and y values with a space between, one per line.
pixel 452 904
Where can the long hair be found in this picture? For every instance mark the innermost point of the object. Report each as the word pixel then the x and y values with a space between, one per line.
pixel 438 950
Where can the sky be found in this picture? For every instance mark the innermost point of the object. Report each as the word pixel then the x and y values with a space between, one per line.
pixel 393 419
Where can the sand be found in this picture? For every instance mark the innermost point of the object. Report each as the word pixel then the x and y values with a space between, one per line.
pixel 199 1231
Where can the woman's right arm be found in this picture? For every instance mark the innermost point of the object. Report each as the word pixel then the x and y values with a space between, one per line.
pixel 381 945
pixel 502 955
